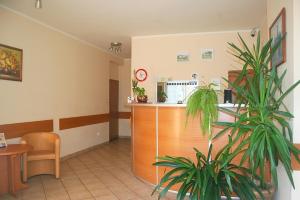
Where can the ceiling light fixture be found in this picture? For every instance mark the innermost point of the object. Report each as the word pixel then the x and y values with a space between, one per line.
pixel 115 47
pixel 38 4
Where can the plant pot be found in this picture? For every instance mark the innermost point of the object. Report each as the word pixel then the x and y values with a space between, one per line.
pixel 268 194
pixel 142 99
pixel 162 99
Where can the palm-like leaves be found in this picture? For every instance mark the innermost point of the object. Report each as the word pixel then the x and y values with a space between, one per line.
pixel 265 124
pixel 207 179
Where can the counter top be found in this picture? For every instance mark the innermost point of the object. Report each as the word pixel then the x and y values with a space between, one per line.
pixel 223 105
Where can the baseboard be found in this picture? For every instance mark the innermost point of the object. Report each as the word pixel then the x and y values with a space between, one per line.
pixel 72 155
pixel 125 137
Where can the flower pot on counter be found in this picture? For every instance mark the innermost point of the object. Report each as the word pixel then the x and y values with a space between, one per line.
pixel 142 99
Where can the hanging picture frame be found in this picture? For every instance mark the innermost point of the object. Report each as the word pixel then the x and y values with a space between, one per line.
pixel 11 59
pixel 277 31
pixel 207 54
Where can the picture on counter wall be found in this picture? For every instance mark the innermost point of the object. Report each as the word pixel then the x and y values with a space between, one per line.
pixel 207 54
pixel 2 140
pixel 10 63
pixel 277 32
pixel 183 56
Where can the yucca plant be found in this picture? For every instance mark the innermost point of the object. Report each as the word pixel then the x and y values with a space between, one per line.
pixel 264 124
pixel 208 178
pixel 203 102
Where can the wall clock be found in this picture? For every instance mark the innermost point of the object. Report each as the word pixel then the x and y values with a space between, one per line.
pixel 141 75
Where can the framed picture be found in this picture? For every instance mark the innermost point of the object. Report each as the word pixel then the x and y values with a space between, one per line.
pixel 2 140
pixel 277 32
pixel 207 54
pixel 10 63
pixel 183 56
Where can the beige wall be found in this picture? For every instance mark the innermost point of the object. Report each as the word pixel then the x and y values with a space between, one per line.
pixel 285 190
pixel 62 77
pixel 158 55
pixel 124 92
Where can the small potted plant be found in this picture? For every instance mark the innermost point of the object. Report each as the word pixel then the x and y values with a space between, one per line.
pixel 162 96
pixel 141 96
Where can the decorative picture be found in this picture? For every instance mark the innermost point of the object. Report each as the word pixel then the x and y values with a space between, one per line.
pixel 10 63
pixel 183 57
pixel 207 54
pixel 277 32
pixel 2 140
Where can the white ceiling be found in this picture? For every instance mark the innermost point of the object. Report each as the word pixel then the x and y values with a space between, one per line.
pixel 101 21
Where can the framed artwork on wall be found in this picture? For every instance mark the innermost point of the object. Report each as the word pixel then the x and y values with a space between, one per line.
pixel 11 59
pixel 277 31
pixel 183 56
pixel 207 54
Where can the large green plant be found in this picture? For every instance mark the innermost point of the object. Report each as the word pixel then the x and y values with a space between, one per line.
pixel 264 123
pixel 203 102
pixel 207 178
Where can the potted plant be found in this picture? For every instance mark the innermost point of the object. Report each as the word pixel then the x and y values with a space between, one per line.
pixel 203 102
pixel 141 96
pixel 162 96
pixel 264 126
pixel 134 83
pixel 261 134
pixel 208 178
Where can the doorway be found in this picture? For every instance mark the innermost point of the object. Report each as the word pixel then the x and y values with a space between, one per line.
pixel 113 109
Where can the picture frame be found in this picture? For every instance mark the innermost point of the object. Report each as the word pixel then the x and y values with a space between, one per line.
pixel 11 61
pixel 207 54
pixel 277 31
pixel 183 56
pixel 3 143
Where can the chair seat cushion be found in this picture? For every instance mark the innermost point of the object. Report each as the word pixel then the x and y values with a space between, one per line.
pixel 40 155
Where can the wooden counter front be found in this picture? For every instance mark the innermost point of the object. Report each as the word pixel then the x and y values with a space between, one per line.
pixel 159 131
pixel 144 143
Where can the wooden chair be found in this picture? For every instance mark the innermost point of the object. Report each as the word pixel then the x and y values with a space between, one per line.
pixel 44 158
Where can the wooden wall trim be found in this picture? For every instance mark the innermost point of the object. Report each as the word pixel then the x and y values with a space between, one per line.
pixel 295 164
pixel 124 115
pixel 19 129
pixel 15 130
pixel 73 122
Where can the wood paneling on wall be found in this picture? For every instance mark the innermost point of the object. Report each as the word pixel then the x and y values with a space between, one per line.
pixel 73 122
pixel 124 115
pixel 19 129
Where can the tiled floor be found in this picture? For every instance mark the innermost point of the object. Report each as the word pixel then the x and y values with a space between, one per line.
pixel 103 173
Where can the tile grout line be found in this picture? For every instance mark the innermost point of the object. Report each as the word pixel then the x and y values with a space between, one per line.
pixel 112 176
pixel 123 182
pixel 65 188
pixel 43 186
pixel 99 179
pixel 81 180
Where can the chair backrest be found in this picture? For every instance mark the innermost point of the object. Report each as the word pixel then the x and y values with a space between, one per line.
pixel 41 141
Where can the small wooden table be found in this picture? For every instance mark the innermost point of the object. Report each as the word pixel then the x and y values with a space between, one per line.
pixel 10 168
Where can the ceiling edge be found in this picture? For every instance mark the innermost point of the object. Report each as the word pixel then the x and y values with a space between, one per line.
pixel 60 31
pixel 197 33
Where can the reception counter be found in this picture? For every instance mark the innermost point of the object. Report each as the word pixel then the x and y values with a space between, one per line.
pixel 161 129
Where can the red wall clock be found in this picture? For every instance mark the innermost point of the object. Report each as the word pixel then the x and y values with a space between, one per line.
pixel 141 75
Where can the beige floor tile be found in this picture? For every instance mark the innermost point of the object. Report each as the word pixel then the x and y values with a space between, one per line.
pixel 11 197
pixel 100 192
pixel 80 195
pixel 104 173
pixel 107 197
